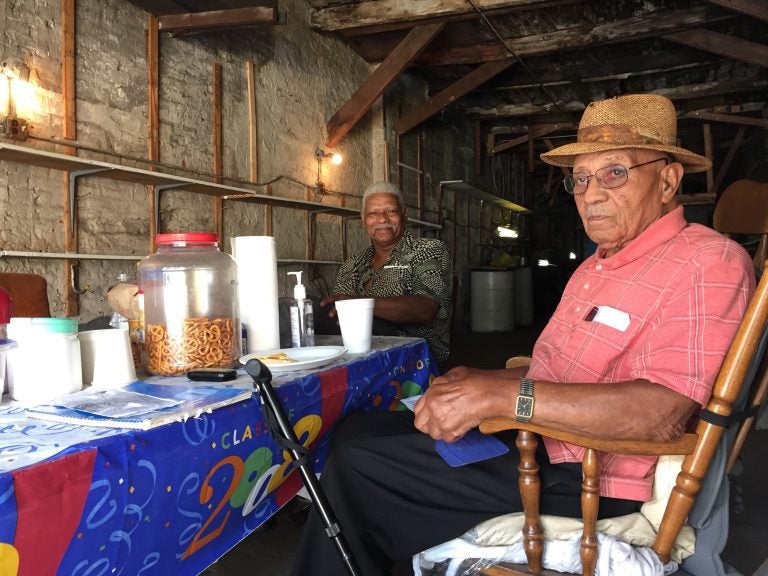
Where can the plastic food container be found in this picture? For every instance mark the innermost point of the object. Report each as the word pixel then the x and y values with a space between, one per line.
pixel 5 346
pixel 45 364
pixel 191 315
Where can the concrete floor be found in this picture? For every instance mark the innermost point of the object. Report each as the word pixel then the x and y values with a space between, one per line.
pixel 269 550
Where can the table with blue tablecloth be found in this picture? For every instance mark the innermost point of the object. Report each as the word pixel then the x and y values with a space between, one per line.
pixel 85 501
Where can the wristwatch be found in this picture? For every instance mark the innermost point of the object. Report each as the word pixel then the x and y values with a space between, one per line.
pixel 524 406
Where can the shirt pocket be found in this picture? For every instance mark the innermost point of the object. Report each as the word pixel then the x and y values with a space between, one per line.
pixel 395 280
pixel 580 350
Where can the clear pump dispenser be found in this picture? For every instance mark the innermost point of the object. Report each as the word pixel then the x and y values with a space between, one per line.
pixel 302 316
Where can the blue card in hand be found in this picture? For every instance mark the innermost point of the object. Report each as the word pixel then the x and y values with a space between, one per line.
pixel 474 446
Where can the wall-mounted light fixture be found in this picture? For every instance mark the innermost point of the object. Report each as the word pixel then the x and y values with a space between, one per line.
pixel 321 155
pixel 13 70
pixel 506 232
pixel 509 229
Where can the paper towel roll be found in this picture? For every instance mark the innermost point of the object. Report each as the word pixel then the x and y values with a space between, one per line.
pixel 257 286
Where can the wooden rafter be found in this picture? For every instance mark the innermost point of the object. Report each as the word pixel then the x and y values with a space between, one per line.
pixel 535 132
pixel 579 36
pixel 455 91
pixel 755 8
pixel 370 17
pixel 362 100
pixel 726 118
pixel 217 19
pixel 728 158
pixel 724 45
pixel 704 89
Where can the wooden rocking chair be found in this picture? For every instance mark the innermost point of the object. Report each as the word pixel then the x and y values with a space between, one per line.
pixel 699 448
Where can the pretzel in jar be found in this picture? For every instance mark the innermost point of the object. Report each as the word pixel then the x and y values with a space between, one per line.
pixel 202 343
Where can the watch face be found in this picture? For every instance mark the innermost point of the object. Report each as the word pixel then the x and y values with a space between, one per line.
pixel 524 406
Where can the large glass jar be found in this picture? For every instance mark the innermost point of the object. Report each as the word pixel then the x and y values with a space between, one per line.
pixel 190 305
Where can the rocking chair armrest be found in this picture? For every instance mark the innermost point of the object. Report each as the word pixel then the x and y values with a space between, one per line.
pixel 682 445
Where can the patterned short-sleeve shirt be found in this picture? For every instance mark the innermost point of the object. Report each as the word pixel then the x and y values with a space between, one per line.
pixel 416 266
pixel 671 300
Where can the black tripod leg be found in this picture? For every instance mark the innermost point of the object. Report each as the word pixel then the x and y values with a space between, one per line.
pixel 283 433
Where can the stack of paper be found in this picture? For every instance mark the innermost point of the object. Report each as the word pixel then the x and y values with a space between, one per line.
pixel 139 405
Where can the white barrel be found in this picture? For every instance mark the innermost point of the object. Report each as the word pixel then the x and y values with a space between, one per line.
pixel 523 296
pixel 492 301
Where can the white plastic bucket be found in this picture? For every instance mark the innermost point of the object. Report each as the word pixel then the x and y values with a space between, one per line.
pixel 492 301
pixel 46 362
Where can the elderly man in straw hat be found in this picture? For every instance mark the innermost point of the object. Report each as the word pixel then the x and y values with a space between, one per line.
pixel 632 351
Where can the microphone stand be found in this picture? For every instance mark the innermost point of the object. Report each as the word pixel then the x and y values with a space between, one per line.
pixel 283 433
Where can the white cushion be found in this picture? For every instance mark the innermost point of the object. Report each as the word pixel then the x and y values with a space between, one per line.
pixel 638 529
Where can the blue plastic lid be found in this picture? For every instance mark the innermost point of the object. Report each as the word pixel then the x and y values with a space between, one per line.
pixel 6 344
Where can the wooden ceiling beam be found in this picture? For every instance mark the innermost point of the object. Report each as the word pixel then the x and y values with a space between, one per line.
pixel 679 93
pixel 369 17
pixel 159 7
pixel 726 118
pixel 755 8
pixel 217 19
pixel 466 84
pixel 722 44
pixel 575 37
pixel 365 96
pixel 536 131
pixel 611 72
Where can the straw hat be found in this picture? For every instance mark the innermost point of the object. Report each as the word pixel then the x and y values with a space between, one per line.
pixel 646 121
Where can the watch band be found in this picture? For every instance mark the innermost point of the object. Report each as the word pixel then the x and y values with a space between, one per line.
pixel 526 386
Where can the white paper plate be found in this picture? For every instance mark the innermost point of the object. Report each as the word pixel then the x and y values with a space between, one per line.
pixel 306 358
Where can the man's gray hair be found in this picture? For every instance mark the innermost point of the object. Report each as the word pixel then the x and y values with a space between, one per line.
pixel 382 188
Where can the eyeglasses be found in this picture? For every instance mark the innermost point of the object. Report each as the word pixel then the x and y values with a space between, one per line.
pixel 608 177
pixel 388 213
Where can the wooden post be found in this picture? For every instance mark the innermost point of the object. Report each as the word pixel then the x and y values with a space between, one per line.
pixel 218 203
pixel 153 92
pixel 253 141
pixel 708 154
pixel 420 175
pixel 478 149
pixel 71 304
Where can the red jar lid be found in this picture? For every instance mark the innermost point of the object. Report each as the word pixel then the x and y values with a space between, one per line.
pixel 187 237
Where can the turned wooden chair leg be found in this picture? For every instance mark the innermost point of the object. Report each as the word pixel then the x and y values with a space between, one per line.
pixel 530 488
pixel 590 502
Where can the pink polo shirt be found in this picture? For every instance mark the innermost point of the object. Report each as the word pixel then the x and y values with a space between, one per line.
pixel 670 303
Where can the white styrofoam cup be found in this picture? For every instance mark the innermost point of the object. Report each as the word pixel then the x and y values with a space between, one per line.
pixel 356 321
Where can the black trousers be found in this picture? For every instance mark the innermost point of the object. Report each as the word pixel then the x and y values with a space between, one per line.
pixel 395 496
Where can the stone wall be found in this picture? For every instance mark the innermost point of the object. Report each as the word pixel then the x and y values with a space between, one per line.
pixel 301 79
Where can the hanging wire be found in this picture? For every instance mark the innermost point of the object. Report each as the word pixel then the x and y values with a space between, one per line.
pixel 506 46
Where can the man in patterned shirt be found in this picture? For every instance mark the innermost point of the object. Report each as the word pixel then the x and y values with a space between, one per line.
pixel 632 351
pixel 409 278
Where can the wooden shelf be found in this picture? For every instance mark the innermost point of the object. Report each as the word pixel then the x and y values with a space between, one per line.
pixel 84 167
pixel 469 190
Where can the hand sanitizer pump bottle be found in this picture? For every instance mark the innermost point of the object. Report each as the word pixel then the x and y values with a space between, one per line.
pixel 302 317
